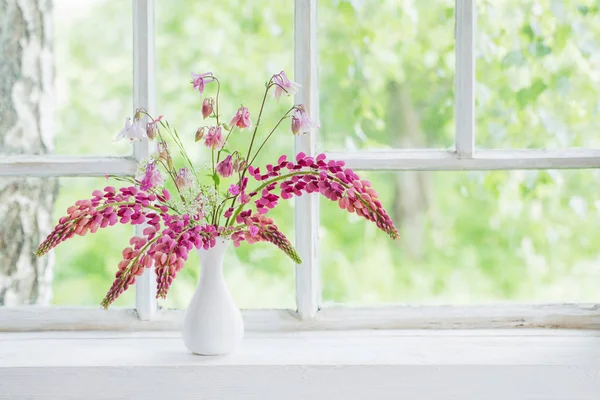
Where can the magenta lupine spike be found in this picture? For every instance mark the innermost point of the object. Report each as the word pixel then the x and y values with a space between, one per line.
pixel 327 177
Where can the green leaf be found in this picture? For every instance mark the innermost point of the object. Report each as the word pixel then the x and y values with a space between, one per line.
pixel 513 58
pixel 529 95
pixel 583 9
pixel 563 32
pixel 216 179
pixel 539 49
pixel 528 31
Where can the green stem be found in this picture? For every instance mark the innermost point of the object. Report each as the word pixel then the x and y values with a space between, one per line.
pixel 271 133
pixel 226 139
pixel 217 100
pixel 269 85
pixel 258 119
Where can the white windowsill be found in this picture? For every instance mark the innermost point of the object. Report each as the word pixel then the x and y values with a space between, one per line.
pixel 364 364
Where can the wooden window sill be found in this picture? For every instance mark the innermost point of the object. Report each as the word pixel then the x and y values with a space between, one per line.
pixel 361 364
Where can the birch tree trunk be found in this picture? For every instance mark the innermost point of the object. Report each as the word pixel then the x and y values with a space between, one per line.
pixel 411 188
pixel 26 109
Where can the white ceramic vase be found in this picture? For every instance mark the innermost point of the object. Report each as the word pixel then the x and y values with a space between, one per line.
pixel 213 324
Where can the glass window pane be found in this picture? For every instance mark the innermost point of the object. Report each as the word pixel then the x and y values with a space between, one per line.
pixel 68 69
pixel 386 74
pixel 468 238
pixel 537 74
pixel 79 271
pixel 243 45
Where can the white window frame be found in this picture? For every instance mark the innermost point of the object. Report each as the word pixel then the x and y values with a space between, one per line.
pixel 309 315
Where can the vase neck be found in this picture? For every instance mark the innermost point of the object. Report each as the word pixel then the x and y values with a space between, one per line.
pixel 211 260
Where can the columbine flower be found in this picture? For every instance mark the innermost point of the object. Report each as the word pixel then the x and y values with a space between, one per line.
pixel 301 122
pixel 184 178
pixel 225 167
pixel 234 190
pixel 152 178
pixel 152 128
pixel 199 80
pixel 207 107
pixel 132 130
pixel 242 119
pixel 214 138
pixel 284 85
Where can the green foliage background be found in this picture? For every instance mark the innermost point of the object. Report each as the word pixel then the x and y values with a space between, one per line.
pixel 468 237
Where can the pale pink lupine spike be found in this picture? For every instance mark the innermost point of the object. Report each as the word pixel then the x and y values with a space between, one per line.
pixel 101 211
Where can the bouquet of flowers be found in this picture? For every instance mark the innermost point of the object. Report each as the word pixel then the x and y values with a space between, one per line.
pixel 233 204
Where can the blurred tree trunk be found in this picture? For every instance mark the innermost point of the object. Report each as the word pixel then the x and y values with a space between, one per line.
pixel 411 188
pixel 26 105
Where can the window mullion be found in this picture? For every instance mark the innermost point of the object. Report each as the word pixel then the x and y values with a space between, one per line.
pixel 144 96
pixel 465 77
pixel 307 207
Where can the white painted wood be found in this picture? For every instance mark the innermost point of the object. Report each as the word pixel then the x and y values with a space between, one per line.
pixel 306 213
pixel 50 165
pixel 390 160
pixel 144 96
pixel 31 319
pixel 464 89
pixel 496 365
pixel 443 160
pixel 567 316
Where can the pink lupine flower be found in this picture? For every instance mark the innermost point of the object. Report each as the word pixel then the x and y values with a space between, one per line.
pixel 253 230
pixel 152 178
pixel 214 138
pixel 132 130
pixel 207 107
pixel 242 119
pixel 244 198
pixel 284 85
pixel 184 178
pixel 225 167
pixel 234 190
pixel 199 80
pixel 301 122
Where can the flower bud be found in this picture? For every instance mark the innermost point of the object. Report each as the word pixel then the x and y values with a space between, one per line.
pixel 199 134
pixel 225 167
pixel 151 130
pixel 207 107
pixel 239 164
